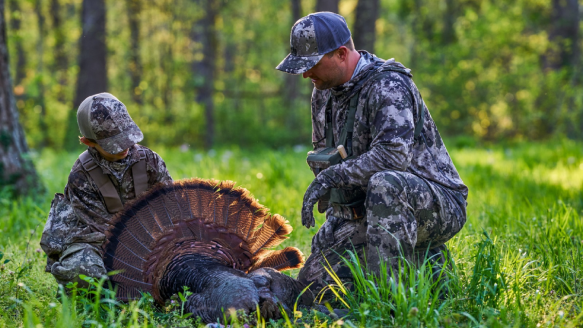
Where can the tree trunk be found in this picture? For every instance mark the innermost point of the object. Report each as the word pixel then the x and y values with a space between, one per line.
pixel 167 63
pixel 204 32
pixel 327 5
pixel 563 35
pixel 449 18
pixel 61 62
pixel 15 24
pixel 364 35
pixel 92 77
pixel 135 64
pixel 291 88
pixel 16 169
pixel 40 101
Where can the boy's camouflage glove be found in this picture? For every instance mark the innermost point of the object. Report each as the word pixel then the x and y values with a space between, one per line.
pixel 318 188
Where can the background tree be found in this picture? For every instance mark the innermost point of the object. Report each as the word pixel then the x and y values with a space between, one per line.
pixel 135 63
pixel 563 35
pixel 60 61
pixel 364 31
pixel 92 77
pixel 39 76
pixel 327 5
pixel 204 69
pixel 16 169
pixel 486 69
pixel 15 29
pixel 292 82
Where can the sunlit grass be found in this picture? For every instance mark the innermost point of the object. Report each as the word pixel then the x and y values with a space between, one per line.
pixel 527 271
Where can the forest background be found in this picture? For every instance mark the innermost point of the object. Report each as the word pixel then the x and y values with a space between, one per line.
pixel 200 73
pixel 503 81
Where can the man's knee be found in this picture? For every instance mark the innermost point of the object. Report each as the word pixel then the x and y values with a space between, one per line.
pixel 385 189
pixel 386 181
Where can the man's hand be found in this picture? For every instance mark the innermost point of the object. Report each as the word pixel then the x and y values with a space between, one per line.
pixel 315 191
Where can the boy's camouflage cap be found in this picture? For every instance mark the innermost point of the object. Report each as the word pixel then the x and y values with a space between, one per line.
pixel 105 119
pixel 311 38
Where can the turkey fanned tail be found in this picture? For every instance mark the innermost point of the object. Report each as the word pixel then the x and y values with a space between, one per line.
pixel 208 218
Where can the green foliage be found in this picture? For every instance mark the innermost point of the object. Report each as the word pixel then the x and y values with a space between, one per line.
pixel 487 283
pixel 485 81
pixel 518 260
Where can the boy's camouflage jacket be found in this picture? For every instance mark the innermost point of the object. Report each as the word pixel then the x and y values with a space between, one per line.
pixel 87 218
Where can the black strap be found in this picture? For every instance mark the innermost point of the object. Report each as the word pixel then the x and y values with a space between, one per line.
pixel 420 122
pixel 329 128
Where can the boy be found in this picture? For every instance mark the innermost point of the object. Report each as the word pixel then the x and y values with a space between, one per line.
pixel 111 172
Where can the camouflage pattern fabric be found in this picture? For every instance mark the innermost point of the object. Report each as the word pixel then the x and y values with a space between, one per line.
pixel 312 37
pixel 304 52
pixel 114 129
pixel 404 217
pixel 415 197
pixel 78 259
pixel 81 217
pixel 383 129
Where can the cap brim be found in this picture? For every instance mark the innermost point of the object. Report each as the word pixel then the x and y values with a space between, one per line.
pixel 122 141
pixel 298 64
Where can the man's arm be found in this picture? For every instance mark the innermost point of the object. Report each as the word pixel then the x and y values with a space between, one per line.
pixel 390 108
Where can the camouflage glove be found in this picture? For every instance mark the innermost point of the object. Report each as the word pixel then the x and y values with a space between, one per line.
pixel 324 238
pixel 318 188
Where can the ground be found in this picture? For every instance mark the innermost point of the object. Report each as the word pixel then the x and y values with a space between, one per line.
pixel 519 259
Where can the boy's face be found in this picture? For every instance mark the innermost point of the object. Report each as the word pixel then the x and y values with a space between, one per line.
pixel 103 153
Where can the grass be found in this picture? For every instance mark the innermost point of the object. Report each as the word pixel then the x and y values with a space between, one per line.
pixel 518 260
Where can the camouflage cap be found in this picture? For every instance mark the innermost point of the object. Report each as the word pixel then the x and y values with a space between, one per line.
pixel 105 119
pixel 311 38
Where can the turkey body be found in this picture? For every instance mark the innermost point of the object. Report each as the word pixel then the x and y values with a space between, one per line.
pixel 210 237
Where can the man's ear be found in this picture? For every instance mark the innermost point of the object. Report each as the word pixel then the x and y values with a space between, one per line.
pixel 87 142
pixel 342 53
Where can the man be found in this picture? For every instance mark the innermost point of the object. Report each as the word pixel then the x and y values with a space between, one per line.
pixel 111 172
pixel 398 193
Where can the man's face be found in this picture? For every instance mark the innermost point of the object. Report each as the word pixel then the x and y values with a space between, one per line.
pixel 327 73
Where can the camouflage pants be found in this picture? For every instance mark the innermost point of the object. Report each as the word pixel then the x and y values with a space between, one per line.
pixel 405 216
pixel 78 259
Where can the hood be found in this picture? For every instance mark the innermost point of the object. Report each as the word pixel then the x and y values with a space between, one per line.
pixel 345 91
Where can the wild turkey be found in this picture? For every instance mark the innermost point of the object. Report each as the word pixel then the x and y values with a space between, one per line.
pixel 209 236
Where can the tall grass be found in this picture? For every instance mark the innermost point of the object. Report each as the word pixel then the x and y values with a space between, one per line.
pixel 518 261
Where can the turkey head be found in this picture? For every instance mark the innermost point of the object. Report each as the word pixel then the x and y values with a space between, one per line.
pixel 209 236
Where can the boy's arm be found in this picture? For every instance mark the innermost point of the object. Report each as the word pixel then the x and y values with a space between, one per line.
pixel 158 171
pixel 87 205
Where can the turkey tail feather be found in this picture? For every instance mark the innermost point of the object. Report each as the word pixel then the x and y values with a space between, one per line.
pixel 274 231
pixel 285 259
pixel 192 217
